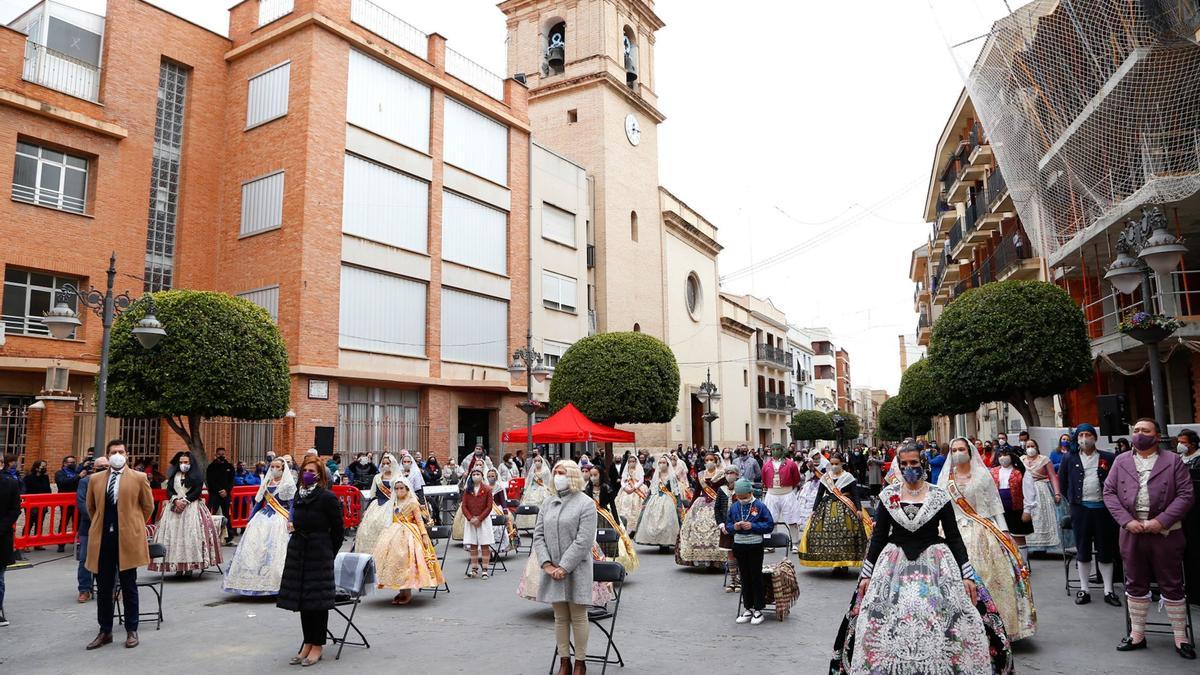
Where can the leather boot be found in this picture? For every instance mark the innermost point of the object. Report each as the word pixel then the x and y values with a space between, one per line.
pixel 580 667
pixel 564 665
pixel 102 639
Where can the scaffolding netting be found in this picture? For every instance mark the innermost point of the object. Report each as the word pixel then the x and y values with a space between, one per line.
pixel 1092 107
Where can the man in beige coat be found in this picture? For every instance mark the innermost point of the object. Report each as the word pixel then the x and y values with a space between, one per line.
pixel 119 502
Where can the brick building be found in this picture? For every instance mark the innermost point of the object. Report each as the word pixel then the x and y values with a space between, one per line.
pixel 225 163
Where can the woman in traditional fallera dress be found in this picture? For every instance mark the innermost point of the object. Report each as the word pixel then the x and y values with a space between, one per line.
pixel 919 606
pixel 810 484
pixel 1045 482
pixel 699 535
pixel 257 564
pixel 476 460
pixel 601 493
pixel 405 558
pixel 537 481
pixel 659 522
pixel 835 535
pixel 185 526
pixel 633 492
pixel 504 535
pixel 378 515
pixel 979 514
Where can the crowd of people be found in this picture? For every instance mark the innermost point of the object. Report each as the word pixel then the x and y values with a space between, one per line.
pixel 941 533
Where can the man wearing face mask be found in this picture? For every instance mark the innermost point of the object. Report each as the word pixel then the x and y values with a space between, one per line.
pixel 1148 492
pixel 1084 471
pixel 747 466
pixel 119 502
pixel 82 575
pixel 66 479
pixel 781 479
pixel 220 476
pixel 362 472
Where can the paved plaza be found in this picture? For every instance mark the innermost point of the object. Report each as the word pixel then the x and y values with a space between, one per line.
pixel 672 620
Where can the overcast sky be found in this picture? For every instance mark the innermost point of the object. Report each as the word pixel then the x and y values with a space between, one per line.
pixel 786 122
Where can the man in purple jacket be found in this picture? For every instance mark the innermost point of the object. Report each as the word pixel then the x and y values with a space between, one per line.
pixel 1148 492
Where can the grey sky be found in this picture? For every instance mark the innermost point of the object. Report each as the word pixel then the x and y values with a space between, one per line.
pixel 785 121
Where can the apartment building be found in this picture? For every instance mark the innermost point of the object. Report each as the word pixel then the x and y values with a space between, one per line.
pixel 802 389
pixel 248 149
pixel 824 378
pixel 770 369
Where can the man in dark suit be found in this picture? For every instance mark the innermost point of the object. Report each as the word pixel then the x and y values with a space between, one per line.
pixel 119 502
pixel 1082 480
pixel 10 510
pixel 219 478
pixel 66 479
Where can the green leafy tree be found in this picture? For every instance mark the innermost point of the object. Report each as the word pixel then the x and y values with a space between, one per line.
pixel 851 425
pixel 1011 341
pixel 811 425
pixel 618 378
pixel 921 396
pixel 222 357
pixel 896 423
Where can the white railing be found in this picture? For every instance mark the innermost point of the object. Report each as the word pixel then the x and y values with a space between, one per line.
pixel 1182 298
pixel 270 10
pixel 47 197
pixel 474 74
pixel 389 27
pixel 58 71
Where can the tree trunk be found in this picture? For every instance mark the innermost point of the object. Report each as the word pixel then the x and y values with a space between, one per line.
pixel 1027 408
pixel 188 428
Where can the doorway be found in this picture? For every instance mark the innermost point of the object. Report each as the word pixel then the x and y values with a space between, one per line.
pixel 697 421
pixel 473 426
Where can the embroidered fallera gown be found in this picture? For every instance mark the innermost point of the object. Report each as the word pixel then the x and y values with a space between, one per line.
pixel 699 535
pixel 659 522
pixel 1045 520
pixel 192 539
pixel 834 535
pixel 377 516
pixel 405 557
pixel 257 565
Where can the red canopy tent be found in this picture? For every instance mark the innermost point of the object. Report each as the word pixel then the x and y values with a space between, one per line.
pixel 569 426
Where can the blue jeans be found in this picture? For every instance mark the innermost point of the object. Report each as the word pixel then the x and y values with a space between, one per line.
pixel 82 575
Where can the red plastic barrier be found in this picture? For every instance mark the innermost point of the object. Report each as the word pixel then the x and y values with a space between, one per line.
pixel 241 503
pixel 55 517
pixel 352 499
pixel 516 487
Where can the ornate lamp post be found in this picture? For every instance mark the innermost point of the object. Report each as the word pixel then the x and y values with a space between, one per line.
pixel 529 362
pixel 62 321
pixel 1157 251
pixel 707 394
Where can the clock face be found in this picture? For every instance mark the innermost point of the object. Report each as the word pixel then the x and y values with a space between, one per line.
pixel 633 131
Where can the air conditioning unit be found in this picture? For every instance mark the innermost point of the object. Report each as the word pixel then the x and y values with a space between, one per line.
pixel 57 380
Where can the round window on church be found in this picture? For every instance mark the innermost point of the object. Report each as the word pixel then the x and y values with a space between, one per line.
pixel 693 296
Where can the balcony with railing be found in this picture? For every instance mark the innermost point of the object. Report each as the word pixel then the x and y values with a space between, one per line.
pixel 776 356
pixel 924 328
pixel 62 48
pixel 1179 296
pixel 955 236
pixel 771 401
pixel 1010 256
pixel 61 72
pixel 996 189
pixel 981 148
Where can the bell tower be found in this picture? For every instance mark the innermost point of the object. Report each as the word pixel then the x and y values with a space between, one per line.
pixel 589 65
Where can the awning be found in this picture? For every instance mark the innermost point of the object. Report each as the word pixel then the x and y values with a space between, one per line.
pixel 569 426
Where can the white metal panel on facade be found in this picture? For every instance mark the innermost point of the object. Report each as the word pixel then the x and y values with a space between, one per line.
pixel 384 100
pixel 262 204
pixel 559 291
pixel 476 142
pixel 558 225
pixel 269 10
pixel 267 298
pixel 381 312
pixel 474 234
pixel 384 205
pixel 267 95
pixel 474 328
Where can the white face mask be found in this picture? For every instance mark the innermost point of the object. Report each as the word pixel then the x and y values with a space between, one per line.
pixel 710 465
pixel 1086 442
pixel 561 482
pixel 835 469
pixel 362 461
pixel 961 457
pixel 277 473
pixel 1182 448
pixel 185 467
pixel 1005 460
pixel 117 462
pixel 407 466
pixel 1031 451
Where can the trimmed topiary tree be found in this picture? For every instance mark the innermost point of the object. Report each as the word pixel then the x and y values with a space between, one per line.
pixel 618 378
pixel 896 423
pixel 222 357
pixel 1011 341
pixel 812 425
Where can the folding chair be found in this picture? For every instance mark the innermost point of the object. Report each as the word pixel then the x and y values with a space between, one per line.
pixel 777 540
pixel 614 573
pixel 499 520
pixel 349 593
pixel 527 510
pixel 154 583
pixel 1068 553
pixel 607 535
pixel 440 533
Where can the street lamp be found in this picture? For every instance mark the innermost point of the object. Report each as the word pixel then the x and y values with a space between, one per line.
pixel 707 394
pixel 1158 251
pixel 62 321
pixel 529 362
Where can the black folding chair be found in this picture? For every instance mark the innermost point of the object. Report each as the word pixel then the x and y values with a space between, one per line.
pixel 440 533
pixel 151 581
pixel 614 573
pixel 774 540
pixel 346 596
pixel 527 510
pixel 499 520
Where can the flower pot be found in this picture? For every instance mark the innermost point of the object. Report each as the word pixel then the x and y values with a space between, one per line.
pixel 1149 335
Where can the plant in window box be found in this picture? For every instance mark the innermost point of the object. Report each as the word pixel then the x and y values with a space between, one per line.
pixel 1148 328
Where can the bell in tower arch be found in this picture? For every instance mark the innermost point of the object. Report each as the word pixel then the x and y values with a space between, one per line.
pixel 556 48
pixel 631 74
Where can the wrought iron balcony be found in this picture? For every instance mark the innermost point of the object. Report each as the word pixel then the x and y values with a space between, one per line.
pixel 775 355
pixel 771 401
pixel 956 234
pixel 996 188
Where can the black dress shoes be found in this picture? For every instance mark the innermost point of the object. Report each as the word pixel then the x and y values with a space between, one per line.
pixel 1112 599
pixel 101 640
pixel 1186 650
pixel 1128 645
pixel 1083 598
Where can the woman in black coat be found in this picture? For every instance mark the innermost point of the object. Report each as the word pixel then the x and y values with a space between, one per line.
pixel 307 583
pixel 37 482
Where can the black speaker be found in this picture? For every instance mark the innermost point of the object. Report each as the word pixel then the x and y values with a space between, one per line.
pixel 1114 416
pixel 323 440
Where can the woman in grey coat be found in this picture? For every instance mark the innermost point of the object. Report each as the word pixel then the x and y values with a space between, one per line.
pixel 562 540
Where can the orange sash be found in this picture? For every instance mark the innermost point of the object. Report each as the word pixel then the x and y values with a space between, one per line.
pixel 387 491
pixel 969 511
pixel 274 503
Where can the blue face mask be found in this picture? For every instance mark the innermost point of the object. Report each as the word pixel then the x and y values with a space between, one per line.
pixel 912 474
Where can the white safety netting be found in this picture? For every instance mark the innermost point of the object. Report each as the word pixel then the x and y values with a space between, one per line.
pixel 1092 107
